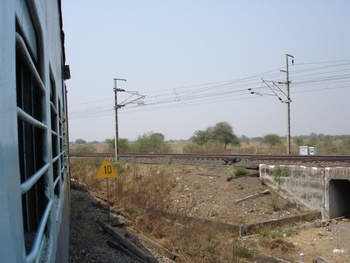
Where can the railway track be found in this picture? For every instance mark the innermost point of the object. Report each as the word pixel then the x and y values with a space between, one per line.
pixel 223 158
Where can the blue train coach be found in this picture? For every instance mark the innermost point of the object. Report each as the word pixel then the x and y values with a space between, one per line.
pixel 34 156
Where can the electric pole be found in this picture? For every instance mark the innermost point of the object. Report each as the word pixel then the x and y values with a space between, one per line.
pixel 116 115
pixel 288 101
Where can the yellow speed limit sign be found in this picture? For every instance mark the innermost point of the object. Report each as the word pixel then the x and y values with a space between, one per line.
pixel 106 170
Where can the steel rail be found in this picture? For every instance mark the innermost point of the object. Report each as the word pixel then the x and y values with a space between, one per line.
pixel 227 157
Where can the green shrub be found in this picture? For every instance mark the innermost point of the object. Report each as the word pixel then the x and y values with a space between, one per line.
pixel 263 231
pixel 291 232
pixel 240 171
pixel 211 247
pixel 274 203
pixel 149 143
pixel 310 218
pixel 240 187
pixel 242 251
pixel 278 173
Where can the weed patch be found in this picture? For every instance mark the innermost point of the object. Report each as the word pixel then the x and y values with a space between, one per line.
pixel 240 171
pixel 278 244
pixel 242 251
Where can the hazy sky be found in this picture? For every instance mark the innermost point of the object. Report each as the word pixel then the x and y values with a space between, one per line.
pixel 194 61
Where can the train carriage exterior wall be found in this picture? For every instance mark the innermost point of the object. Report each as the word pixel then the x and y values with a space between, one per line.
pixel 34 156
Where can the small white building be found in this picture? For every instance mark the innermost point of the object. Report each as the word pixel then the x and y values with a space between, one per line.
pixel 306 150
pixel 312 151
pixel 303 150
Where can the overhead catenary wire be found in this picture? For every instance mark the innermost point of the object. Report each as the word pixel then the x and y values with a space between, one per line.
pixel 305 76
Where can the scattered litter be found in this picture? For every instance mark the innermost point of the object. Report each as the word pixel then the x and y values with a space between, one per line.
pixel 337 250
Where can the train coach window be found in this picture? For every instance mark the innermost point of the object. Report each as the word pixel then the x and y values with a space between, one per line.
pixel 54 135
pixel 31 149
pixel 32 142
pixel 56 138
pixel 62 149
pixel 37 164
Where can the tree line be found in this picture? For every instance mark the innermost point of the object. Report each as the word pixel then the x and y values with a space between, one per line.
pixel 220 137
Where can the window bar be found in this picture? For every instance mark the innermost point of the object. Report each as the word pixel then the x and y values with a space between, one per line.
pixel 53 108
pixel 58 156
pixel 31 120
pixel 25 186
pixel 27 58
pixel 54 133
pixel 33 254
pixel 62 169
pixel 56 182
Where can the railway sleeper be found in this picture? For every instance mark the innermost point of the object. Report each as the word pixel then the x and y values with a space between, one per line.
pixel 229 161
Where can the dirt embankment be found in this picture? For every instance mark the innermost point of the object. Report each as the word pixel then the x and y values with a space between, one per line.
pixel 204 192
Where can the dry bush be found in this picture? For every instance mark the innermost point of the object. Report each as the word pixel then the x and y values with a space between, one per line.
pixel 144 189
pixel 142 193
pixel 205 241
pixel 278 244
pixel 278 247
pixel 84 172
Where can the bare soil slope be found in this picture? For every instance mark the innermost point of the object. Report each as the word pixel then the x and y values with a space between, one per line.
pixel 207 193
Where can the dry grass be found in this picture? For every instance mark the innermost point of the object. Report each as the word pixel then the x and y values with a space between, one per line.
pixel 279 248
pixel 278 244
pixel 142 194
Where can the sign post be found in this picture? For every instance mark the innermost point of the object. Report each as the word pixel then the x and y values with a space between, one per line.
pixel 107 171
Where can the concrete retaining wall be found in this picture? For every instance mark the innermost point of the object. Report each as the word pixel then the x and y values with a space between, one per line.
pixel 337 191
pixel 323 189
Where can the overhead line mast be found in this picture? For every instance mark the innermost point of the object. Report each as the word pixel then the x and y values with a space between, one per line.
pixel 288 101
pixel 116 114
pixel 123 104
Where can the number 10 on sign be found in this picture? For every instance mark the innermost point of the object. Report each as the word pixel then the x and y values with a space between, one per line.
pixel 107 171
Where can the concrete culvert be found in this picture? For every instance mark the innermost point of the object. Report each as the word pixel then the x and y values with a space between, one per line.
pixel 339 196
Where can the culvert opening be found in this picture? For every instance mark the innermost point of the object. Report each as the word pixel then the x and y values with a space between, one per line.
pixel 339 196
